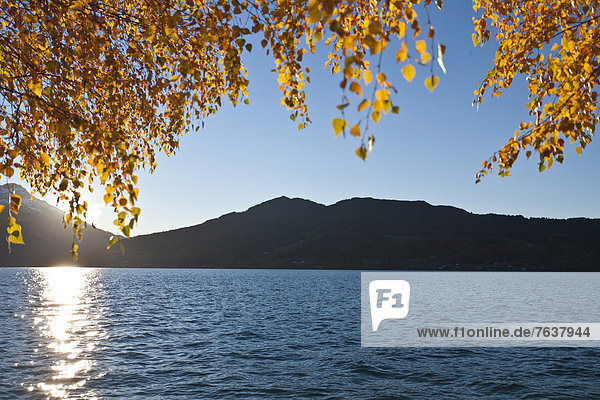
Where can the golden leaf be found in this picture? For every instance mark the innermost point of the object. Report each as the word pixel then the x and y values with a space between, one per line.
pixel 431 82
pixel 375 116
pixel 401 29
pixel 314 15
pixel 45 158
pixel 14 234
pixel 361 152
pixel 338 125
pixel 408 72
pixel 402 54
pixel 15 203
pixel 367 76
pixel 111 242
pixel 363 104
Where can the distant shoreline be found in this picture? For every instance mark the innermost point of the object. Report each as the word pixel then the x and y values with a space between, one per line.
pixel 456 269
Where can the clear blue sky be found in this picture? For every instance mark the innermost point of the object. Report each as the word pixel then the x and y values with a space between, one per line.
pixel 430 151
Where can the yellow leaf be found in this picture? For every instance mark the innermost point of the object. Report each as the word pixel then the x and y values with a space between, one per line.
pixel 382 94
pixel 387 105
pixel 375 115
pixel 74 254
pixel 378 105
pixel 361 152
pixel 314 15
pixel 111 241
pixel 36 88
pixel 425 57
pixel 16 238
pixel 381 78
pixel 578 149
pixel 431 82
pixel 14 234
pixel 421 46
pixel 363 104
pixel 45 158
pixel 475 39
pixel 375 46
pixel 1 208
pixel 349 42
pixel 408 72
pixel 15 203
pixel 356 88
pixel 338 125
pixel 402 54
pixel 108 198
pixel 367 76
pixel 355 130
pixel 401 29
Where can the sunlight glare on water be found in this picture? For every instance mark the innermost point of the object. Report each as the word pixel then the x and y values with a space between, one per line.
pixel 68 327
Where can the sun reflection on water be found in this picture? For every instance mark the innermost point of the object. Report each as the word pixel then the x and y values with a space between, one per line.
pixel 69 327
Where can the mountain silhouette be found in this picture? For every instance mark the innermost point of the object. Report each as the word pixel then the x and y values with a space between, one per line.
pixel 359 233
pixel 365 233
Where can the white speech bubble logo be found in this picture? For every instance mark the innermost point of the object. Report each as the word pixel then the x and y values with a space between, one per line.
pixel 389 300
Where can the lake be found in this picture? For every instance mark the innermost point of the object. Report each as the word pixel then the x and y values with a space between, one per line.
pixel 194 333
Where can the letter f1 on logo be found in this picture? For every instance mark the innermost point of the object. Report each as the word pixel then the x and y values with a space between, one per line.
pixel 389 300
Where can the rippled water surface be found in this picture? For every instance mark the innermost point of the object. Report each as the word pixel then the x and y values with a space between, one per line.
pixel 186 334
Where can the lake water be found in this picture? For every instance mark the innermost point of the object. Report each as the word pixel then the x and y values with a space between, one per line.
pixel 192 334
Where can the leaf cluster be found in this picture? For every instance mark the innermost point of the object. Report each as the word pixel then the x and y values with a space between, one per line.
pixel 555 45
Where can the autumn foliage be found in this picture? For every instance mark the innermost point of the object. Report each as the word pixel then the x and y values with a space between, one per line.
pixel 91 91
pixel 555 45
